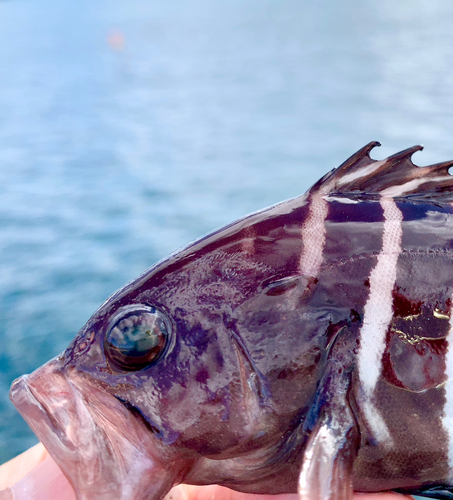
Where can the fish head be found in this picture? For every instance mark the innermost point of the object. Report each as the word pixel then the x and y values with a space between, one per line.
pixel 154 382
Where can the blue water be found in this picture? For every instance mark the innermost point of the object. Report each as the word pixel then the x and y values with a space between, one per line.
pixel 128 129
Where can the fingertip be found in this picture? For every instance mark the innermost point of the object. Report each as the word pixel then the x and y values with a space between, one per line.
pixel 13 471
pixel 216 492
pixel 388 495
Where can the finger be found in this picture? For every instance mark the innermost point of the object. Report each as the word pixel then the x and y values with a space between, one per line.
pixel 215 492
pixel 14 470
pixel 188 492
pixel 44 482
pixel 388 495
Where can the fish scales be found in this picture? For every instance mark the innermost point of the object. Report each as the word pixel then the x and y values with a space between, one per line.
pixel 304 348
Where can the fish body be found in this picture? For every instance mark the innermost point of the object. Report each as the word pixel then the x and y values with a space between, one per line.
pixel 303 348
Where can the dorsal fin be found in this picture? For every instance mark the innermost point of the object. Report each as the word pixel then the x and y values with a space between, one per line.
pixel 395 177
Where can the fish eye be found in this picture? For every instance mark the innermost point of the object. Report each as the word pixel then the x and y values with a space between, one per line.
pixel 137 337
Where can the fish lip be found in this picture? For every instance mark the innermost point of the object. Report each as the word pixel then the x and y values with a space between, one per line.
pixel 25 398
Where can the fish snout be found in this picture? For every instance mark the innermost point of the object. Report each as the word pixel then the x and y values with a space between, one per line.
pixel 43 398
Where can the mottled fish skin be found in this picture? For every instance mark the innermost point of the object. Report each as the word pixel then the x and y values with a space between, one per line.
pixel 306 349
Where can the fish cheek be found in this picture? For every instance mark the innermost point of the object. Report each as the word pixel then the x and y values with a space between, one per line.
pixel 209 401
pixel 204 406
pixel 181 398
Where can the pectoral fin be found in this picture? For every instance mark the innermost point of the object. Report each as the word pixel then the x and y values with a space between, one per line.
pixel 328 458
pixel 327 464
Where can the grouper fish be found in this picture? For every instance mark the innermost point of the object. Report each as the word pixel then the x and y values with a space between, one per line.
pixel 304 348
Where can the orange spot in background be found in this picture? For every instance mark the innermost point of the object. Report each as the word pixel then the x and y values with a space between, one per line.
pixel 115 40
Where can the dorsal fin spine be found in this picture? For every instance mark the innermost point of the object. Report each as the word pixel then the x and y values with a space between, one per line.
pixel 354 160
pixel 405 154
pixel 356 157
pixel 442 167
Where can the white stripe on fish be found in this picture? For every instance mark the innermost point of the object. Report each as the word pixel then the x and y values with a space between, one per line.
pixel 314 235
pixel 378 313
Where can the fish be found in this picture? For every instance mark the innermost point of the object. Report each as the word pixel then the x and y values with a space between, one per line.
pixel 304 348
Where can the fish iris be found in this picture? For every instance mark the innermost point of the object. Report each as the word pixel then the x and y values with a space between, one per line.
pixel 137 337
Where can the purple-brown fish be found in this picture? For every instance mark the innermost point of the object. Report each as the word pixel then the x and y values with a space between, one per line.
pixel 303 348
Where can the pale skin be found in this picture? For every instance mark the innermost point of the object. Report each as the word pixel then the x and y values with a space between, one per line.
pixel 57 487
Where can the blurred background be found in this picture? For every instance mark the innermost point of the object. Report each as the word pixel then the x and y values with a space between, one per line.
pixel 128 129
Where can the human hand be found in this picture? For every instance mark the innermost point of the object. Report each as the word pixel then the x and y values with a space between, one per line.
pixel 34 475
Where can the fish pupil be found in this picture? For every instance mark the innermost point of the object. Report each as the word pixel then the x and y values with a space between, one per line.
pixel 137 337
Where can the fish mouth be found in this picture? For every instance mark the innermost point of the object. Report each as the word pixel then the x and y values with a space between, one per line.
pixel 104 451
pixel 37 414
